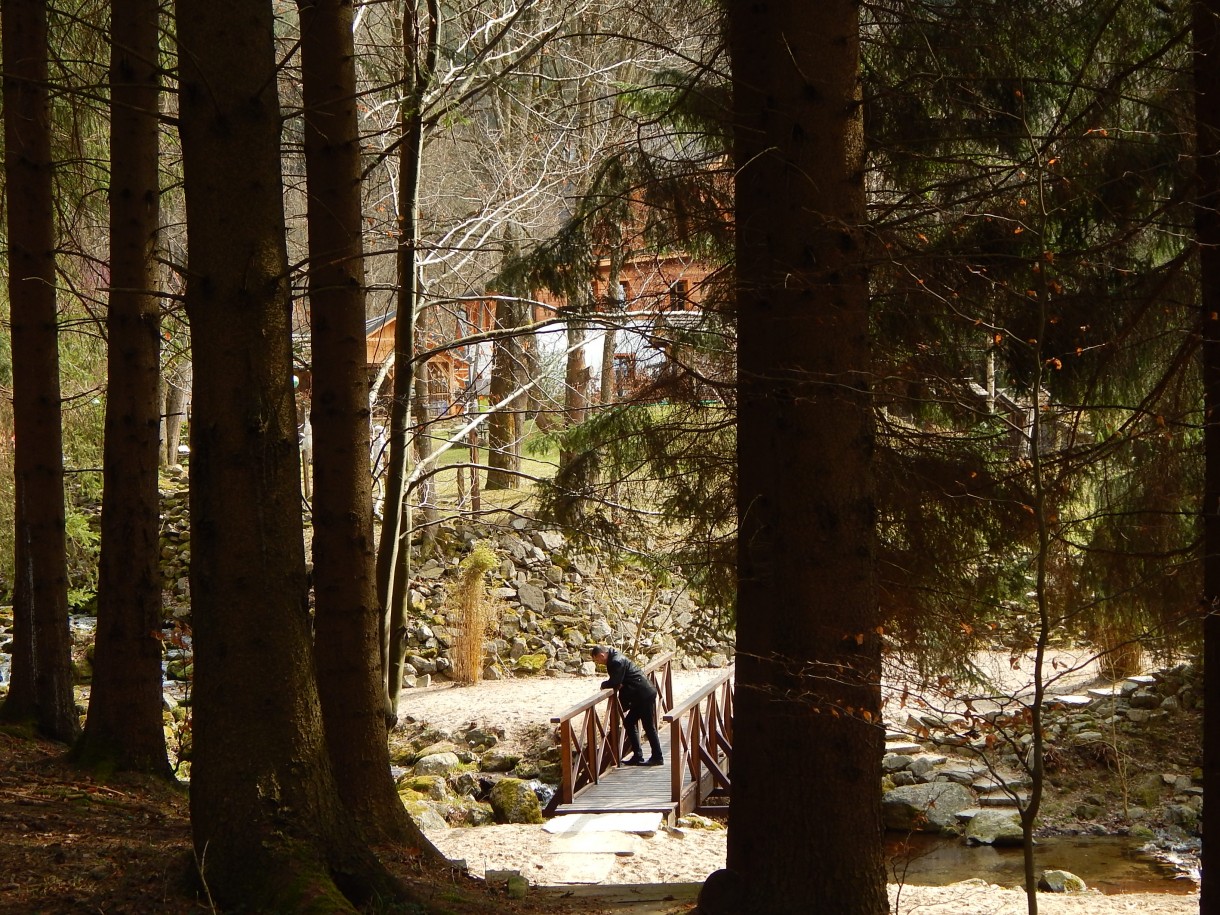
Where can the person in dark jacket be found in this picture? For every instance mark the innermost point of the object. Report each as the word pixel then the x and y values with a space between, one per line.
pixel 639 701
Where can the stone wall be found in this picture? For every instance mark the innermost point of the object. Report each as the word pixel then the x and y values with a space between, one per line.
pixel 552 603
pixel 550 600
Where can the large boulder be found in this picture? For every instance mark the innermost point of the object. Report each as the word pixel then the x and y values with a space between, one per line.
pixel 1054 881
pixel 514 801
pixel 995 826
pixel 931 807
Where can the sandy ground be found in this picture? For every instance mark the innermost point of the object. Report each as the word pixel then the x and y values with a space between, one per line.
pixel 686 855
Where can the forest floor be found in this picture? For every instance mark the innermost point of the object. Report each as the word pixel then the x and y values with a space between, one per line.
pixel 71 842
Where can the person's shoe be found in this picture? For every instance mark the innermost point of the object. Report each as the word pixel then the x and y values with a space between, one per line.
pixel 634 761
pixel 654 761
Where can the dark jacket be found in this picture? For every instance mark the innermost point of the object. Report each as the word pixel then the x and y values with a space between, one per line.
pixel 633 687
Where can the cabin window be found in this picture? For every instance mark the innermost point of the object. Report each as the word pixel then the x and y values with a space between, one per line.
pixel 678 295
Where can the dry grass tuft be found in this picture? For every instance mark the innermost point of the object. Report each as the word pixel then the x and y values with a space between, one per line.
pixel 476 613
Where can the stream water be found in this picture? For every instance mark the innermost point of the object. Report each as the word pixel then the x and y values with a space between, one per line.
pixel 1109 864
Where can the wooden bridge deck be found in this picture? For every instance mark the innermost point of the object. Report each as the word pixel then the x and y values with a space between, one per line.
pixel 631 789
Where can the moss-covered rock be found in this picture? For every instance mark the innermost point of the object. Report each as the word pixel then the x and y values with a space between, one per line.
pixel 466 811
pixel 530 663
pixel 431 786
pixel 1056 881
pixel 420 809
pixel 515 802
pixel 498 761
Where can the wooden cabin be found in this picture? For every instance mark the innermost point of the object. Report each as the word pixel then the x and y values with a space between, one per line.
pixel 653 292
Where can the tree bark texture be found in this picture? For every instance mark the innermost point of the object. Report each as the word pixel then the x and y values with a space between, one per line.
pixel 1207 229
pixel 124 728
pixel 504 426
pixel 42 672
pixel 808 661
pixel 270 832
pixel 347 617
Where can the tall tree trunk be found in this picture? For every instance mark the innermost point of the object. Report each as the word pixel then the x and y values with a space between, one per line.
pixel 394 549
pixel 504 426
pixel 269 829
pixel 425 489
pixel 177 381
pixel 576 381
pixel 808 649
pixel 42 683
pixel 124 727
pixel 614 308
pixel 1207 228
pixel 347 619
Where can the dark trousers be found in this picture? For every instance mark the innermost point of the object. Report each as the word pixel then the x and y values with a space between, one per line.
pixel 643 712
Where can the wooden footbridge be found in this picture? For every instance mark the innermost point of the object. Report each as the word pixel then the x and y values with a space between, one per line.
pixel 696 737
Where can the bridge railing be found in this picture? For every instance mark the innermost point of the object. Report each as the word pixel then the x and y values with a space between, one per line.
pixel 591 733
pixel 701 742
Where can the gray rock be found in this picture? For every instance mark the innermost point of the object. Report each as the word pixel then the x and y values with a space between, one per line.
pixel 532 597
pixel 436 764
pixel 586 566
pixel 929 808
pixel 893 762
pixel 551 541
pixel 1145 698
pixel 959 774
pixel 1182 815
pixel 421 664
pixel 482 737
pixel 922 765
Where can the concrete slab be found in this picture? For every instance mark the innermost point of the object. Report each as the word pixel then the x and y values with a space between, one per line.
pixel 645 824
pixel 621 844
pixel 582 868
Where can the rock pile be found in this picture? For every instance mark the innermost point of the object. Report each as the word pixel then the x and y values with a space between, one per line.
pixel 965 773
pixel 465 779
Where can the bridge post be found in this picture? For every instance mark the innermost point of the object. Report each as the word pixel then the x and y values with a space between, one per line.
pixel 565 762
